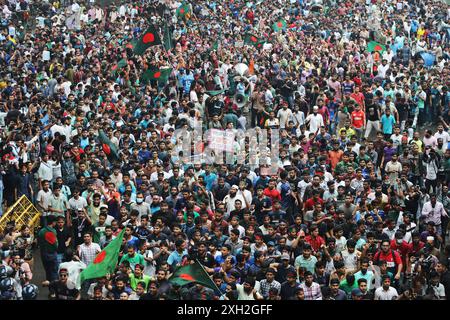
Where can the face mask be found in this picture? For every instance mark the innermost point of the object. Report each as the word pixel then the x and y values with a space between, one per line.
pixel 139 200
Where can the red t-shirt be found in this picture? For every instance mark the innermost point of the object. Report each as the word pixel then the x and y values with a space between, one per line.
pixel 315 242
pixel 403 249
pixel 392 261
pixel 309 204
pixel 272 194
pixel 358 118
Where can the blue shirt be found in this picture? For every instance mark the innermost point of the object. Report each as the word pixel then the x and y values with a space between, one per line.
pixel 388 123
pixel 209 179
pixel 176 258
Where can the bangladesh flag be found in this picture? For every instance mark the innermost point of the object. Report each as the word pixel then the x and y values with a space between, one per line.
pixel 183 11
pixel 105 262
pixel 253 40
pixel 132 44
pixel 192 273
pixel 375 46
pixel 148 39
pixel 109 148
pixel 280 25
pixel 121 64
pixel 161 75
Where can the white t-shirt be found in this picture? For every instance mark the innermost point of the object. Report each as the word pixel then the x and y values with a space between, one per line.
pixel 74 204
pixel 242 295
pixel 45 171
pixel 390 294
pixel 315 122
pixel 74 269
pixel 44 198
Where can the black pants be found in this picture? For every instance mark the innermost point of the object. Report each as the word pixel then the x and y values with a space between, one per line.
pixel 50 263
pixel 429 184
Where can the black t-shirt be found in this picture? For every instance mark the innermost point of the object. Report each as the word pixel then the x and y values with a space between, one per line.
pixel 62 291
pixel 372 112
pixel 207 260
pixel 62 236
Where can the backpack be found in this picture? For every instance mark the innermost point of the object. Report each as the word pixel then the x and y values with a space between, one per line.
pixel 377 258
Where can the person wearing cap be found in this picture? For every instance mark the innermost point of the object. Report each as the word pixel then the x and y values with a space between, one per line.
pixel 357 294
pixel 314 120
pixel 335 293
pixel 230 199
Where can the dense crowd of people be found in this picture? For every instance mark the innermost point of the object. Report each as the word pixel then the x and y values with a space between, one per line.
pixel 356 208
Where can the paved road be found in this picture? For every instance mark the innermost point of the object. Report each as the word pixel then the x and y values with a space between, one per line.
pixel 39 275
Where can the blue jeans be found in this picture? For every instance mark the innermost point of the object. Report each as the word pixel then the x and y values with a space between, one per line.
pixel 59 259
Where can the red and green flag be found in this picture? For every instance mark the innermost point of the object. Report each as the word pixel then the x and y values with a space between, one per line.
pixel 160 75
pixel 192 273
pixel 253 40
pixel 132 44
pixel 280 25
pixel 119 65
pixel 376 46
pixel 148 39
pixel 108 146
pixel 183 11
pixel 105 262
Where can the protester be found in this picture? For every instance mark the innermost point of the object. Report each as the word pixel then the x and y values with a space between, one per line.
pixel 297 149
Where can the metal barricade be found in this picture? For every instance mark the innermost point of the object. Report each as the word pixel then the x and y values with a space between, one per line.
pixel 22 212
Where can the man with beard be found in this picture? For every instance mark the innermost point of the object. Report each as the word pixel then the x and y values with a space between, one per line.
pixel 249 290
pixel 231 198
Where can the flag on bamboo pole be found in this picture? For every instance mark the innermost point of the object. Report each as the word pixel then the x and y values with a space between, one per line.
pixel 250 39
pixel 148 39
pixel 167 38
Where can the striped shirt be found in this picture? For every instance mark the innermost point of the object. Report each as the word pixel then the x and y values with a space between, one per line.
pixel 313 292
pixel 87 253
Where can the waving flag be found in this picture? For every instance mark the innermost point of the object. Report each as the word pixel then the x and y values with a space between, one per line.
pixel 192 273
pixel 161 75
pixel 148 39
pixel 105 262
pixel 376 46
pixel 280 25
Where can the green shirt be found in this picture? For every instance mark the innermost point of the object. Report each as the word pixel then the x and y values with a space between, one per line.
pixel 136 259
pixel 134 281
pixel 58 203
pixel 47 239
